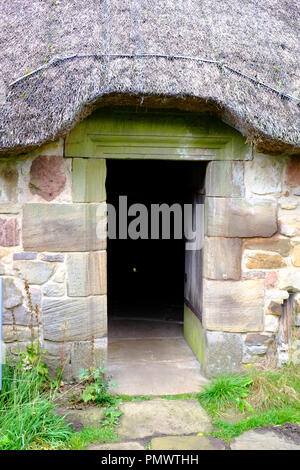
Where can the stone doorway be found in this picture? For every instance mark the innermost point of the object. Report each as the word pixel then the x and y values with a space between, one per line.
pixel 147 280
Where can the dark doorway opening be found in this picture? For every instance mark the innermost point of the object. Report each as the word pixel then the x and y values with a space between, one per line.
pixel 147 280
pixel 146 276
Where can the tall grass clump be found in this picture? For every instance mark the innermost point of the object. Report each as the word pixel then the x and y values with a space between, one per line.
pixel 27 417
pixel 27 407
pixel 226 391
pixel 260 397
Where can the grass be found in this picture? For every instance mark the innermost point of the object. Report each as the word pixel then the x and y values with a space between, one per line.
pixel 137 398
pixel 225 391
pixel 228 431
pixel 27 418
pixel 259 398
pixel 81 439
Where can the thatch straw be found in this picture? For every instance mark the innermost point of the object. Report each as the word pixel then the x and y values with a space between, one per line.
pixel 237 58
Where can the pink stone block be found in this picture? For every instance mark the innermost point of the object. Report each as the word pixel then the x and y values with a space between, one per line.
pixel 292 176
pixel 47 178
pixel 9 232
pixel 271 279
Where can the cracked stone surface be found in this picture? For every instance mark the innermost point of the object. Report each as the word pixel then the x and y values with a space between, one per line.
pixel 187 443
pixel 265 439
pixel 133 445
pixel 159 416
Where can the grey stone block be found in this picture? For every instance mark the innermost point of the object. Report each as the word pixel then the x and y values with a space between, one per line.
pixel 233 306
pixel 225 179
pixel 78 319
pixel 24 256
pixel 84 355
pixel 236 217
pixel 54 290
pixel 35 272
pixel 222 258
pixel 21 312
pixel 64 227
pixel 12 296
pixel 224 353
pixel 56 258
pixel 86 273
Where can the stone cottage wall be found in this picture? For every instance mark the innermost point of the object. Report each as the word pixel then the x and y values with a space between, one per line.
pixel 52 233
pixel 251 272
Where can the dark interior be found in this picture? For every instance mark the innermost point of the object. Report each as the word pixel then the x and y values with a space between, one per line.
pixel 146 277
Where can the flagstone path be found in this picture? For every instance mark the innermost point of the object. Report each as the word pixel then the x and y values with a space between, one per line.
pixel 160 424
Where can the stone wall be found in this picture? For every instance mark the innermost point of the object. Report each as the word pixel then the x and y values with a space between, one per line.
pixel 252 260
pixel 52 233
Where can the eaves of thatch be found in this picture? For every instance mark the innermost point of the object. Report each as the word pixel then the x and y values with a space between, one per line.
pixel 236 58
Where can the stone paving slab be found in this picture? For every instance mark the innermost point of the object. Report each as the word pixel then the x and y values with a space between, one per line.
pixel 187 443
pixel 154 367
pixel 80 419
pixel 159 416
pixel 261 439
pixel 149 350
pixel 133 445
pixel 157 379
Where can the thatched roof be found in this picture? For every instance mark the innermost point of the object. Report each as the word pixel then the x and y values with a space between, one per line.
pixel 61 59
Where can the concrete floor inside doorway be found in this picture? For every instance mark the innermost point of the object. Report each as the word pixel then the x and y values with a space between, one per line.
pixel 147 355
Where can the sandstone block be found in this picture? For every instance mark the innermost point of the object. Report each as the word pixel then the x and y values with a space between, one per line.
pixel 289 280
pixel 274 308
pixel 86 273
pixel 263 174
pixel 60 274
pixel 35 272
pixel 78 319
pixel 233 306
pixel 279 245
pixel 264 261
pixel 288 205
pixel 88 180
pixel 9 208
pixel 256 339
pixel 296 256
pixel 222 258
pixel 237 217
pixel 64 227
pixel 225 179
pixel 271 323
pixel 289 224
